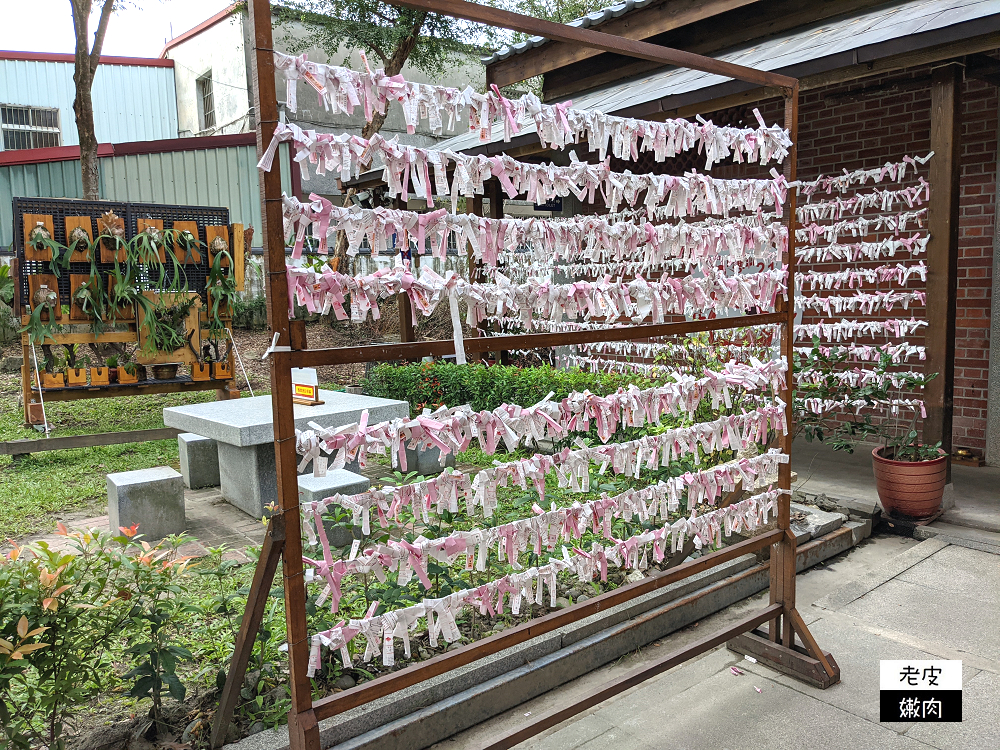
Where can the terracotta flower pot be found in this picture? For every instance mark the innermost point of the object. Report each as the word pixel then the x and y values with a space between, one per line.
pixel 912 489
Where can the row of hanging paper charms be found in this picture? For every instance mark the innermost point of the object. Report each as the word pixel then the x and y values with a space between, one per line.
pixel 441 614
pixel 452 429
pixel 558 125
pixel 409 167
pixel 591 238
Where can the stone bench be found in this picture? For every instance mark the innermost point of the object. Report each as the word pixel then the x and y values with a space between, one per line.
pixel 199 460
pixel 152 498
pixel 336 481
pixel 427 462
pixel 244 433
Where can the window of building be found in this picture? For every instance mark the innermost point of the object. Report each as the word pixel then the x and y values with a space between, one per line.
pixel 29 127
pixel 206 101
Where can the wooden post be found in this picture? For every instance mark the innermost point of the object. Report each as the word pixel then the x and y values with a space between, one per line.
pixel 495 194
pixel 406 333
pixel 303 729
pixel 942 252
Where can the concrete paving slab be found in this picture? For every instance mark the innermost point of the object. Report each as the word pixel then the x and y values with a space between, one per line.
pixel 979 728
pixel 858 651
pixel 858 587
pixel 725 711
pixel 963 622
pixel 816 522
pixel 959 570
pixel 963 536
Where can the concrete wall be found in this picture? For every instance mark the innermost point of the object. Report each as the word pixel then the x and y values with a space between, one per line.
pixel 220 49
pixel 223 48
pixel 131 102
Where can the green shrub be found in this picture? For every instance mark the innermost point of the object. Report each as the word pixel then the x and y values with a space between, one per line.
pixel 250 314
pixel 433 383
pixel 78 603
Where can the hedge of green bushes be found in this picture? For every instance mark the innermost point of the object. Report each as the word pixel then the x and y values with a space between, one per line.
pixel 432 383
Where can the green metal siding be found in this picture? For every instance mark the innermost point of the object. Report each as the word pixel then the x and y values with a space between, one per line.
pixel 206 177
pixel 60 179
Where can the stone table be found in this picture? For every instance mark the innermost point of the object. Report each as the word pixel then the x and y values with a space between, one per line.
pixel 244 431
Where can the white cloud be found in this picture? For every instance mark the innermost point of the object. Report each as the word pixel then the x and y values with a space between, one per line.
pixel 135 31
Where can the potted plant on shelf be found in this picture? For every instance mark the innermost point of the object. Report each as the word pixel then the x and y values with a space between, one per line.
pixel 909 475
pixel 99 375
pixel 202 369
pixel 54 374
pixel 128 372
pixel 74 375
pixel 166 330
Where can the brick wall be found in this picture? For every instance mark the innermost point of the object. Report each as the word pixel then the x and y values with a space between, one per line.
pixel 882 118
pixel 865 124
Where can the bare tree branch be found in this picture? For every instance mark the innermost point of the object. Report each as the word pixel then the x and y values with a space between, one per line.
pixel 102 29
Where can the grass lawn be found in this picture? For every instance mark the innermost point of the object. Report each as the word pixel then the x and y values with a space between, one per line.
pixel 72 483
pixel 42 484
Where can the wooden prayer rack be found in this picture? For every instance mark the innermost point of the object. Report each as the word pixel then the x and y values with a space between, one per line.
pixel 776 648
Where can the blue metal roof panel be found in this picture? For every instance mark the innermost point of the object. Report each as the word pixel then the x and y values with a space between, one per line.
pixel 131 102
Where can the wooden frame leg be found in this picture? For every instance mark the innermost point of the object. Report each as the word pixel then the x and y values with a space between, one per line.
pixel 267 566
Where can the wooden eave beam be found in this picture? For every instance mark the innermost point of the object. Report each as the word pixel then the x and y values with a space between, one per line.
pixel 983 68
pixel 598 40
pixel 639 24
pixel 739 27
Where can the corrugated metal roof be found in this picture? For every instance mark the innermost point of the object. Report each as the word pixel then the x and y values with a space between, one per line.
pixel 591 19
pixel 131 102
pixel 207 177
pixel 805 44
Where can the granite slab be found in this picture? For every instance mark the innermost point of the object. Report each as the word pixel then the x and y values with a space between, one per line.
pixel 248 421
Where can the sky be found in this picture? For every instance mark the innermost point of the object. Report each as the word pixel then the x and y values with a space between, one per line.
pixel 137 31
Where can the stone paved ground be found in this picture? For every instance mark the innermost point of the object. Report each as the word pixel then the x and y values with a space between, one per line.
pixel 929 600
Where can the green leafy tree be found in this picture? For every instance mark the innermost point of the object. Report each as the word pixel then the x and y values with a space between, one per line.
pixel 391 36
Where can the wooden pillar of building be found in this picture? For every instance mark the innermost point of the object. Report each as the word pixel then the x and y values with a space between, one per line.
pixel 942 251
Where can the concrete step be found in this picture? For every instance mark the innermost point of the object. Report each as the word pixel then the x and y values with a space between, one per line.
pixel 963 536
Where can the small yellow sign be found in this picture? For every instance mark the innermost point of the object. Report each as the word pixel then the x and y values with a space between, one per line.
pixel 301 390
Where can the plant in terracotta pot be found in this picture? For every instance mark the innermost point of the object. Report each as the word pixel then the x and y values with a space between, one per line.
pixel 829 401
pixel 112 363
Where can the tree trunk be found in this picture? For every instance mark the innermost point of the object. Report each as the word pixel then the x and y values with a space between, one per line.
pixel 392 67
pixel 83 107
pixel 86 60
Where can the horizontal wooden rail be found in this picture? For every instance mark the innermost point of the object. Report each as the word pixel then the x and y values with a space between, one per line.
pixel 23 447
pixel 598 40
pixel 417 349
pixel 635 677
pixel 391 683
